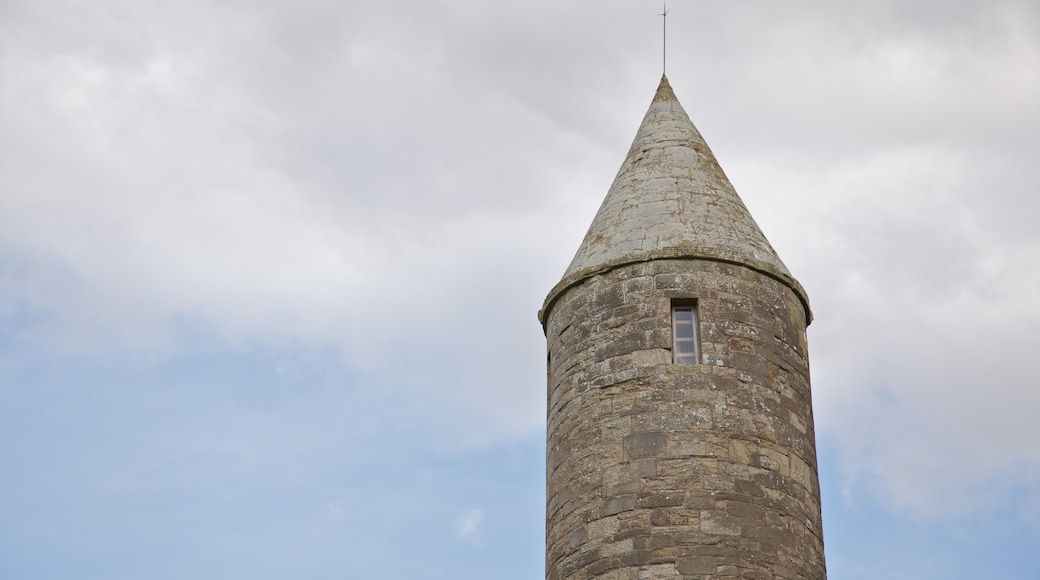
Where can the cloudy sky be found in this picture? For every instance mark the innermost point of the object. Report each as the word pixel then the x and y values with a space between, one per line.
pixel 269 270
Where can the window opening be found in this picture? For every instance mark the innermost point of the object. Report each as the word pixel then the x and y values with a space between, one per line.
pixel 685 343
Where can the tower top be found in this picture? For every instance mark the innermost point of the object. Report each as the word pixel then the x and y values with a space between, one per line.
pixel 671 200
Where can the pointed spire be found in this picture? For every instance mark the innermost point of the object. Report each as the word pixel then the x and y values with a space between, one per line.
pixel 671 199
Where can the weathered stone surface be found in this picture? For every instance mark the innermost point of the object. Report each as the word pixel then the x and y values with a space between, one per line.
pixel 618 504
pixel 670 199
pixel 695 565
pixel 641 445
pixel 741 452
pixel 659 470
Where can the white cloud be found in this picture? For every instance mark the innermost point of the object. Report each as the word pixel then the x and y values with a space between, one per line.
pixel 467 525
pixel 183 185
pixel 923 286
pixel 406 186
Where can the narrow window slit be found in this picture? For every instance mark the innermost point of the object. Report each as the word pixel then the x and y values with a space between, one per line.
pixel 686 348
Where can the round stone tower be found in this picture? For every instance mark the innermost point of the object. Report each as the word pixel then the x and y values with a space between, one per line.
pixel 680 428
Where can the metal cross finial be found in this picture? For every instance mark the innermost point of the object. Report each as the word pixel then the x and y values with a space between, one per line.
pixel 664 38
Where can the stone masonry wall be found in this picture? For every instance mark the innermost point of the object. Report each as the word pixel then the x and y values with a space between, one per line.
pixel 657 470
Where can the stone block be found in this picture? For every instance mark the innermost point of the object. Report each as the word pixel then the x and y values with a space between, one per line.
pixel 640 468
pixel 642 445
pixel 617 548
pixel 658 572
pixel 695 565
pixel 668 498
pixel 745 510
pixel 616 505
pixel 715 522
pixel 687 447
pixel 602 528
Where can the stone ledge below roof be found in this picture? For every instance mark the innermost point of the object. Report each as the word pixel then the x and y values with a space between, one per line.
pixel 686 252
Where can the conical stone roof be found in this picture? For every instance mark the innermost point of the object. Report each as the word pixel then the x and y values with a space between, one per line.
pixel 671 199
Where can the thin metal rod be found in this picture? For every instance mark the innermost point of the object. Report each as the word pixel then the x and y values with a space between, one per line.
pixel 664 39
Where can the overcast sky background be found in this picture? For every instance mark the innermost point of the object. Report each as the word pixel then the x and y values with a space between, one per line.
pixel 269 270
